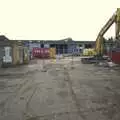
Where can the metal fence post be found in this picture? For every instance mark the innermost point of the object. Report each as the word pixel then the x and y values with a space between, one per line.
pixel 64 49
pixel 43 64
pixel 72 60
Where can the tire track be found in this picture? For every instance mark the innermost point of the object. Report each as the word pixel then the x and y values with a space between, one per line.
pixel 25 117
pixel 9 100
pixel 74 97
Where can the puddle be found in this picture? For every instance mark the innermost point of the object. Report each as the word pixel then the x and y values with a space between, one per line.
pixel 63 94
pixel 2 85
pixel 53 73
pixel 2 104
pixel 49 101
pixel 33 118
pixel 62 84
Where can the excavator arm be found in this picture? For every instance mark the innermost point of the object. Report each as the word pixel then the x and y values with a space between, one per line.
pixel 99 46
pixel 99 40
pixel 117 23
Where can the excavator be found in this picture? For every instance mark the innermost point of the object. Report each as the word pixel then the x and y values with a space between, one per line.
pixel 99 45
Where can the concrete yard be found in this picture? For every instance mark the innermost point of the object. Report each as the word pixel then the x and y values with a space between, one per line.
pixel 65 91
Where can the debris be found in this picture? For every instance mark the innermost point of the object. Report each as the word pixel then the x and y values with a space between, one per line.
pixel 21 97
pixel 43 70
pixel 111 64
pixel 57 69
pixel 103 64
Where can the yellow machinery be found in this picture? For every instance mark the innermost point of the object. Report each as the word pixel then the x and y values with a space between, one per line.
pixel 99 46
pixel 89 52
pixel 99 41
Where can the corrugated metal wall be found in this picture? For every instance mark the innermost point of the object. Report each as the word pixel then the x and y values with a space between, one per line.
pixel 26 55
pixel 17 55
pixel 20 49
pixel 5 56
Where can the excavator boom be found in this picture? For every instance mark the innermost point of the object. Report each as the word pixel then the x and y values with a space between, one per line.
pixel 117 25
pixel 99 41
pixel 99 47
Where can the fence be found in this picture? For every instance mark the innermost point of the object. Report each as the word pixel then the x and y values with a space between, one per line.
pixel 67 52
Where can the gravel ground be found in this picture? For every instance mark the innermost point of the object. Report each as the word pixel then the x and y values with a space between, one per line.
pixel 64 92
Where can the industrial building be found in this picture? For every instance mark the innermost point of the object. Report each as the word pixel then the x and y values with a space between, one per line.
pixel 12 52
pixel 62 46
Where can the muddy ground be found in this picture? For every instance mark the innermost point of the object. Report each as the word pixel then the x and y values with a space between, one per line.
pixel 63 92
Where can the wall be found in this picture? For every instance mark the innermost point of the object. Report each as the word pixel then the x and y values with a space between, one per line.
pixel 5 53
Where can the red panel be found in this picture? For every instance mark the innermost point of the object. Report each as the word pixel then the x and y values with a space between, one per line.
pixel 115 56
pixel 40 52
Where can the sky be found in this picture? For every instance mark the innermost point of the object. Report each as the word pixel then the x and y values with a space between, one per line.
pixel 55 19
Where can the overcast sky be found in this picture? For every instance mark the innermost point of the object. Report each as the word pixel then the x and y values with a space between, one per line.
pixel 55 19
